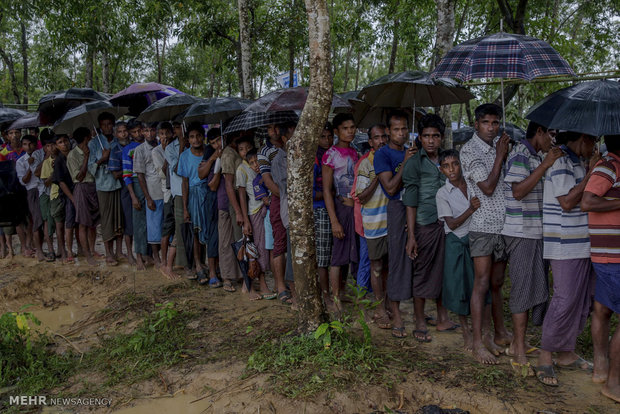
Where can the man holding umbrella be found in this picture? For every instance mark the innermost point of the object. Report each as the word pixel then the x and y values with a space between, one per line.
pixel 483 158
pixel 108 186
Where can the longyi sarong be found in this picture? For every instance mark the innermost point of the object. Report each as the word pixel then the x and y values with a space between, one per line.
pixel 229 266
pixel 573 288
pixel 428 265
pixel 86 204
pixel 140 245
pixel 111 214
pixel 345 251
pixel 400 276
pixel 35 208
pixel 458 275
pixel 529 285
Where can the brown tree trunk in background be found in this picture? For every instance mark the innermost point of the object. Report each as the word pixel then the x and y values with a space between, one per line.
pixel 394 45
pixel 24 51
pixel 470 118
pixel 158 57
pixel 88 67
pixel 357 70
pixel 347 64
pixel 246 49
pixel 105 70
pixel 301 152
pixel 443 43
pixel 291 57
pixel 8 61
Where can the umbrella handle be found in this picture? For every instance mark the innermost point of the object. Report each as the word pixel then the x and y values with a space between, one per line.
pixel 503 104
pixel 98 137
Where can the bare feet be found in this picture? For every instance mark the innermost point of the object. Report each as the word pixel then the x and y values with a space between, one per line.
pixel 40 256
pixel 503 340
pixel 170 275
pixel 483 356
pixel 140 264
pixel 110 261
pixel 611 392
pixel 252 295
pixel 491 345
pixel 468 340
pixel 131 259
pixel 601 368
pixel 91 261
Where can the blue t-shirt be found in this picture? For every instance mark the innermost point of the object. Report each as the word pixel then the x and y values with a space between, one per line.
pixel 260 190
pixel 388 159
pixel 188 167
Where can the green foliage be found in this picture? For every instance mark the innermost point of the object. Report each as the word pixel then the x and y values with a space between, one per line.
pixel 157 343
pixel 26 361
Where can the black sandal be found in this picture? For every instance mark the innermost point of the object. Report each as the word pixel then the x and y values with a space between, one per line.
pixel 546 371
pixel 201 277
pixel 285 297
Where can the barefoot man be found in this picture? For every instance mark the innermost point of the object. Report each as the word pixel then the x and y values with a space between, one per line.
pixel 482 159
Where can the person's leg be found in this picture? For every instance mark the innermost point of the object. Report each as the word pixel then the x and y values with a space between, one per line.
pixel 482 281
pixel 467 338
pixel 197 254
pixel 24 237
pixel 85 242
pixel 9 244
pixel 92 237
pixel 517 347
pixel 3 251
pixel 69 233
pixel 502 337
pixel 109 252
pixel 118 248
pixel 421 330
pixel 601 315
pixel 378 288
pixel 612 388
pixel 167 268
pixel 60 237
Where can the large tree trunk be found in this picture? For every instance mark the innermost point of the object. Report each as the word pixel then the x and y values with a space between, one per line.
pixel 88 67
pixel 443 43
pixel 157 57
pixel 246 50
pixel 357 70
pixel 301 152
pixel 347 64
pixel 24 51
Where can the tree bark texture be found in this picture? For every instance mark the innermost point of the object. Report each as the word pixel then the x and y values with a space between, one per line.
pixel 301 153
pixel 394 46
pixel 105 70
pixel 443 43
pixel 8 61
pixel 24 51
pixel 88 68
pixel 246 49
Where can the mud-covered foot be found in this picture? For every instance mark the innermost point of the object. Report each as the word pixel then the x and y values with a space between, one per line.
pixel 611 392
pixel 503 340
pixel 131 260
pixel 482 355
pixel 601 368
pixel 140 264
pixel 491 346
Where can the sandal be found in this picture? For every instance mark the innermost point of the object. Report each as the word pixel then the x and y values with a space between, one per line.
pixel 50 257
pixel 383 322
pixel 69 260
pixel 228 287
pixel 430 320
pixel 523 370
pixel 201 277
pixel 285 297
pixel 532 352
pixel 399 332
pixel 214 282
pixel 425 339
pixel 269 296
pixel 545 372
pixel 578 365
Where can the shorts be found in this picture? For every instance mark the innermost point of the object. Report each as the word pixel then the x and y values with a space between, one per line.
pixel 57 209
pixel 323 236
pixel 377 248
pixel 487 244
pixel 167 228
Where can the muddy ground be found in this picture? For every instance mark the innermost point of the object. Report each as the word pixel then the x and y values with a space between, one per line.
pixel 86 304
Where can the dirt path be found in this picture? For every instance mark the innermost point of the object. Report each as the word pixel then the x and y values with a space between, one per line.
pixel 85 304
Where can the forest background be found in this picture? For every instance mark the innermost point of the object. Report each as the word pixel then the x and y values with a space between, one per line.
pixel 195 45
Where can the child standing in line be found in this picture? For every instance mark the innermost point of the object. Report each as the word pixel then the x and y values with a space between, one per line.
pixel 455 205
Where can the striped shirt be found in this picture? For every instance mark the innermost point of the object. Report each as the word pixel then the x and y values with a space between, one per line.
pixel 565 233
pixel 128 173
pixel 605 226
pixel 523 217
pixel 265 156
pixel 374 212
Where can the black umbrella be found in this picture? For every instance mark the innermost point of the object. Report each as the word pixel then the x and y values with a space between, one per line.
pixel 30 120
pixel 86 115
pixel 54 105
pixel 292 99
pixel 591 108
pixel 8 115
pixel 139 96
pixel 413 88
pixel 214 110
pixel 167 108
pixel 250 120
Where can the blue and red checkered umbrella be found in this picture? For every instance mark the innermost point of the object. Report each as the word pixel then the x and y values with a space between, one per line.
pixel 502 55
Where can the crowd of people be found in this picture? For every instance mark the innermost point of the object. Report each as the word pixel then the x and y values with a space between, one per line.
pixel 406 219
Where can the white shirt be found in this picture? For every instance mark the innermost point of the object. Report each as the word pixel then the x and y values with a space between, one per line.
pixel 451 202
pixel 22 167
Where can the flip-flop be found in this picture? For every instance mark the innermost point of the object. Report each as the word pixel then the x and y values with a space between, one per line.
pixel 228 287
pixel 424 332
pixel 399 332
pixel 523 370
pixel 214 282
pixel 269 296
pixel 201 277
pixel 530 353
pixel 285 297
pixel 577 365
pixel 430 320
pixel 50 257
pixel 452 328
pixel 546 371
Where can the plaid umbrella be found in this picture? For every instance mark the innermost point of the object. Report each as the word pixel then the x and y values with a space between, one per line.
pixel 139 96
pixel 167 108
pixel 213 110
pixel 413 88
pixel 292 99
pixel 591 108
pixel 502 55
pixel 249 120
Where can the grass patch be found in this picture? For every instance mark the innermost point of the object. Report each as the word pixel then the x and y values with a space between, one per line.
pixel 157 343
pixel 27 363
pixel 303 366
